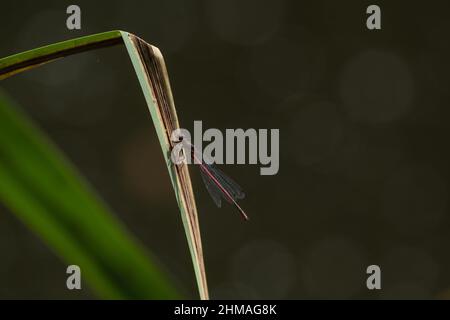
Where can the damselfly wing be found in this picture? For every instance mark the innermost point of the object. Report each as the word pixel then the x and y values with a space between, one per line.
pixel 218 184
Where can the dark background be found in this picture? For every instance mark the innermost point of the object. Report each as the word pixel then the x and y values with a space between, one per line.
pixel 363 118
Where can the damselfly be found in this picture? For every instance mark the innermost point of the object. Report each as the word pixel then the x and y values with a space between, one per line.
pixel 218 184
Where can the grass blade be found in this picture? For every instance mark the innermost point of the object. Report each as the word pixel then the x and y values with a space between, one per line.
pixel 149 63
pixel 33 58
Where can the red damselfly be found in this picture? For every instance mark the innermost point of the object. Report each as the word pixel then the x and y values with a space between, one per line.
pixel 218 184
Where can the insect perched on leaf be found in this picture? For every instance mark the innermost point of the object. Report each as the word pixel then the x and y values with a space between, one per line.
pixel 218 184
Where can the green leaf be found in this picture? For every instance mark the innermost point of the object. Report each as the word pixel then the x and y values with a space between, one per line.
pixel 33 58
pixel 47 194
